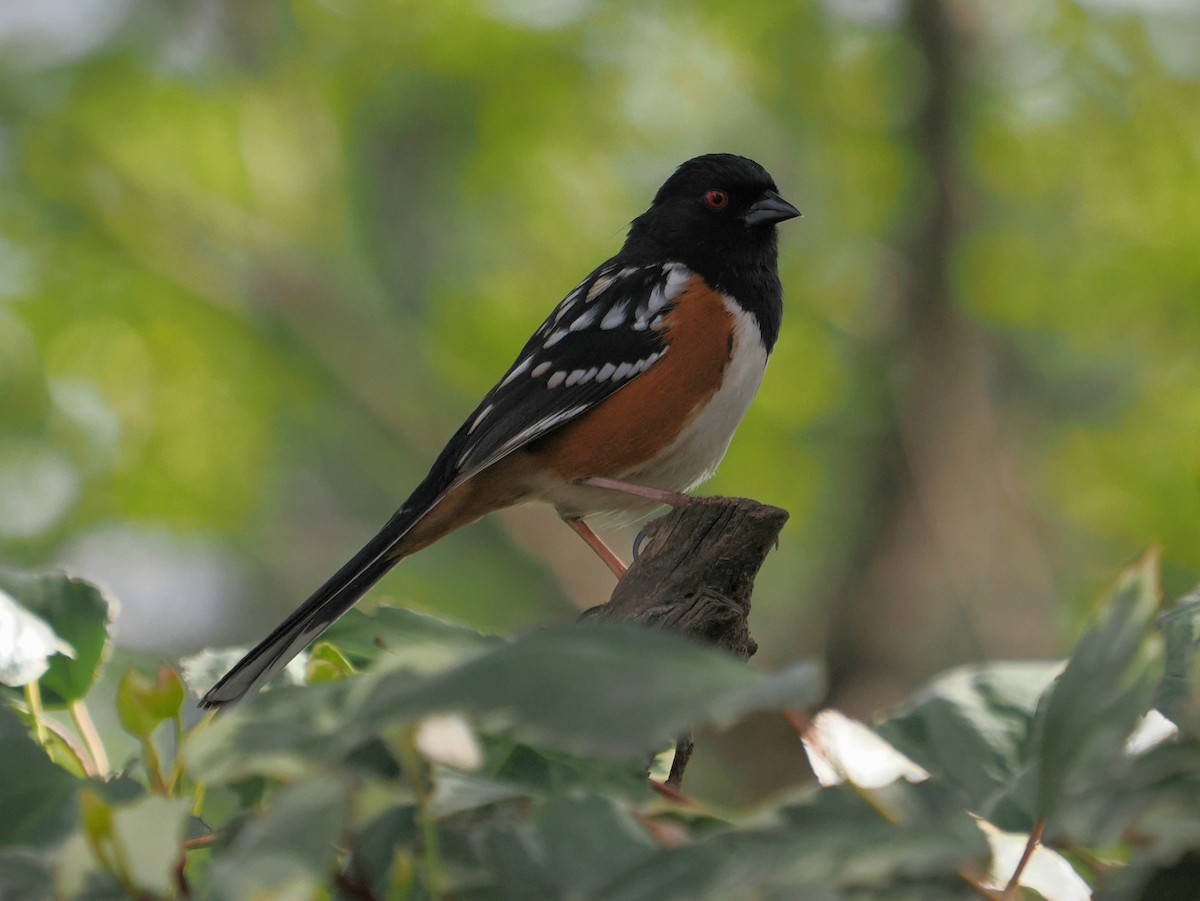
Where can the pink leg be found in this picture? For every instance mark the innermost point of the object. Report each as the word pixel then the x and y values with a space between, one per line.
pixel 662 495
pixel 596 543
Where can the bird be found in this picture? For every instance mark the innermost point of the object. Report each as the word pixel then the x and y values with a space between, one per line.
pixel 626 396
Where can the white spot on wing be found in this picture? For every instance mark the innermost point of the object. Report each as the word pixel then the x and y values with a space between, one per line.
pixel 557 379
pixel 540 369
pixel 479 418
pixel 678 275
pixel 658 300
pixel 575 292
pixel 574 378
pixel 645 315
pixel 516 371
pixel 586 318
pixel 554 337
pixel 599 285
pixel 614 317
pixel 563 308
pixel 605 371
pixel 622 372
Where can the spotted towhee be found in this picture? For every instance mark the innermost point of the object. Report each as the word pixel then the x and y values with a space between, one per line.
pixel 633 385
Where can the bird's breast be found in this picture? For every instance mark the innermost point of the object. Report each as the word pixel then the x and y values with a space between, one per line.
pixel 693 457
pixel 671 426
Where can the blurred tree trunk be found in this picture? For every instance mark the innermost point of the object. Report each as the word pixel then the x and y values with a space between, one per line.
pixel 942 561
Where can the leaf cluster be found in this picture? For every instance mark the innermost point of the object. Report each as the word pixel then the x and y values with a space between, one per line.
pixel 414 758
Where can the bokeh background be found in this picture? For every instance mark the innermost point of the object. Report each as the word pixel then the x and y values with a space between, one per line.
pixel 258 258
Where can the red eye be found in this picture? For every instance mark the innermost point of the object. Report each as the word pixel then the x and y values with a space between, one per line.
pixel 717 200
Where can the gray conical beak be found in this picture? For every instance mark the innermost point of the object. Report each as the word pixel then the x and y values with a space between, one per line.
pixel 769 209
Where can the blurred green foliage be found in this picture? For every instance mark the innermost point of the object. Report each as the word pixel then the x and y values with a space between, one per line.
pixel 258 258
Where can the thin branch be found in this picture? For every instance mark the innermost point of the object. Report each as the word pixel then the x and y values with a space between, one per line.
pixel 33 697
pixel 1035 840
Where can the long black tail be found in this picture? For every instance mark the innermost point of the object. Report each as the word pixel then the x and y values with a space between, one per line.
pixel 325 605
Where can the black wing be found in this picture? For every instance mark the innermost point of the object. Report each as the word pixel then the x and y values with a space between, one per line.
pixel 602 336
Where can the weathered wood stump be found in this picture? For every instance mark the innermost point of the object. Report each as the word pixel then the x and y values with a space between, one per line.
pixel 694 574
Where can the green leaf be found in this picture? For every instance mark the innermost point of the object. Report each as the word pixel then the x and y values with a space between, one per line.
pixel 143 705
pixel 65 754
pixel 26 644
pixel 514 858
pixel 835 838
pixel 542 771
pixel 326 664
pixel 24 875
pixel 150 833
pixel 373 852
pixel 284 734
pixel 37 797
pixel 971 728
pixel 600 689
pixel 1154 799
pixel 613 839
pixel 416 641
pixel 1179 695
pixel 80 614
pixel 455 791
pixel 1084 719
pixel 289 851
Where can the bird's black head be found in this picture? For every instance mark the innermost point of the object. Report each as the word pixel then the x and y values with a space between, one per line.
pixel 717 208
pixel 717 214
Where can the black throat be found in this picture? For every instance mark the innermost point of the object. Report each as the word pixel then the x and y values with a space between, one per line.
pixel 753 281
pixel 748 272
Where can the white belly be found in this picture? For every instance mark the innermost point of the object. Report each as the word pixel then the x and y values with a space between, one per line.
pixel 694 456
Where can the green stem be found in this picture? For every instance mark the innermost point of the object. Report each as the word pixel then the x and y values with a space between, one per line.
pixel 416 769
pixel 198 788
pixel 175 780
pixel 198 799
pixel 33 697
pixel 153 767
pixel 82 720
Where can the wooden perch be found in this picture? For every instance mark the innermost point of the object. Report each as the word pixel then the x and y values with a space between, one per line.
pixel 694 575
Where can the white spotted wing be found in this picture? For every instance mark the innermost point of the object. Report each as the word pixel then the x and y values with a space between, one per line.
pixel 602 336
